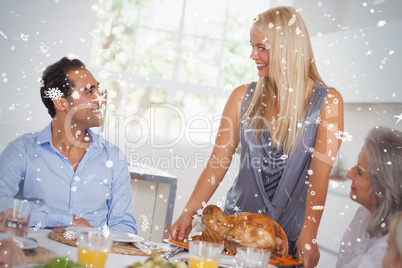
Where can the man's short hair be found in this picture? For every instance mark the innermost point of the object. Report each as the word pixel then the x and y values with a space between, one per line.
pixel 55 80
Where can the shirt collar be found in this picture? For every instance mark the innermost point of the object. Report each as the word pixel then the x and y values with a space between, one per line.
pixel 45 136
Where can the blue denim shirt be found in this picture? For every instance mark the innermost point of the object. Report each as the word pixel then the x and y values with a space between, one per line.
pixel 99 190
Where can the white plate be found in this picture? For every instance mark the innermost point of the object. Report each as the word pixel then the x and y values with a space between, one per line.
pixel 22 242
pixel 116 235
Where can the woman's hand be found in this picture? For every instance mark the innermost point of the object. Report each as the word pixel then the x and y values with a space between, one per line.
pixel 182 227
pixel 10 254
pixel 307 249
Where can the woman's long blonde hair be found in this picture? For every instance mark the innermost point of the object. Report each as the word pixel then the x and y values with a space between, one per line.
pixel 291 63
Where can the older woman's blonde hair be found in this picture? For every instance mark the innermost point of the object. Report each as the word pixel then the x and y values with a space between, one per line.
pixel 395 231
pixel 383 148
pixel 291 63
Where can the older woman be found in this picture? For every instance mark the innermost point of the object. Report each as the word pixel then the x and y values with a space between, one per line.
pixel 393 259
pixel 376 185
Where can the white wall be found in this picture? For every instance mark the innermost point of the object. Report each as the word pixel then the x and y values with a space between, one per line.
pixel 59 27
pixel 53 29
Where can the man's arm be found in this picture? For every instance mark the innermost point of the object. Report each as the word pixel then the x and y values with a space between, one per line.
pixel 14 174
pixel 120 216
pixel 12 169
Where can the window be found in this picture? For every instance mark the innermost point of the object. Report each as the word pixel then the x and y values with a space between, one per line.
pixel 170 65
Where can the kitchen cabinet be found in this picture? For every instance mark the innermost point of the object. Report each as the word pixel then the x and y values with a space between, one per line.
pixel 339 211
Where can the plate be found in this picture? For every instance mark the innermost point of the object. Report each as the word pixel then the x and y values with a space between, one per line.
pixel 178 244
pixel 115 235
pixel 21 242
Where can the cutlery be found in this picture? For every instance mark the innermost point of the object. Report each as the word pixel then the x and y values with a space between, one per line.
pixel 144 245
pixel 170 253
pixel 130 248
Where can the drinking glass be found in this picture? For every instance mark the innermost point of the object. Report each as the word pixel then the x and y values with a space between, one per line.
pixel 93 248
pixel 252 257
pixel 16 216
pixel 204 254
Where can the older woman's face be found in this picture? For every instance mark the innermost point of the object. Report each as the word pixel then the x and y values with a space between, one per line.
pixel 392 258
pixel 360 190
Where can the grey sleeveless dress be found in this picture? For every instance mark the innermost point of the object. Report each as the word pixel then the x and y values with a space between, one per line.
pixel 270 183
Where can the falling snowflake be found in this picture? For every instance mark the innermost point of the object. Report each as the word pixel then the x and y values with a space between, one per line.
pixel 334 184
pixel 75 95
pixel 109 163
pixel 24 37
pixel 3 34
pixel 292 20
pixel 236 209
pixel 310 172
pixel 267 45
pixel 100 98
pixel 317 207
pixel 70 235
pixel 37 226
pixel 43 48
pixel 369 52
pixel 101 51
pixel 270 25
pixel 381 23
pixel 53 93
pixel 255 19
pixel 104 74
pixel 72 56
pixel 41 82
pixel 112 94
pixel 95 7
pixel 344 136
pixel 117 30
pixel 399 118
pixel 166 247
pixel 190 61
pixel 298 31
pixel 145 223
pixel 284 157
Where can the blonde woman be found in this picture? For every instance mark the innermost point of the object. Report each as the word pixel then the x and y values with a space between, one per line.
pixel 393 258
pixel 288 125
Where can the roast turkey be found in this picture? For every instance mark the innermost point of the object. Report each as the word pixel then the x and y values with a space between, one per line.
pixel 244 229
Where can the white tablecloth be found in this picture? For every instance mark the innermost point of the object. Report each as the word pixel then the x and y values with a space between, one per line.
pixel 63 250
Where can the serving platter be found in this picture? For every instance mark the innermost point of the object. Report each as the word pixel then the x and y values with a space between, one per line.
pixel 22 242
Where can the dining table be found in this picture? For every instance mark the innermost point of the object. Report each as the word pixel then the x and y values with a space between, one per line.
pixel 113 260
pixel 71 252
